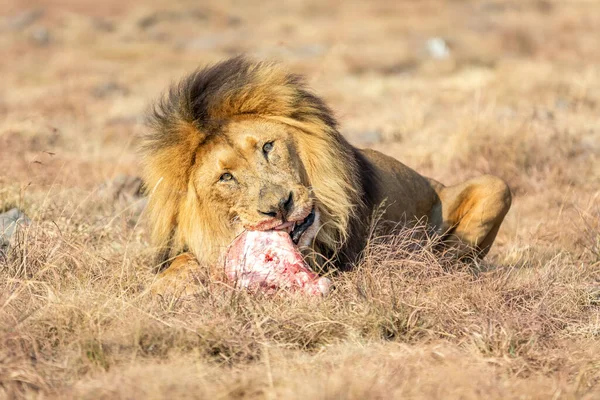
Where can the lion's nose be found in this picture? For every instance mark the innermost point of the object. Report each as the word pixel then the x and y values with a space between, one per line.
pixel 281 209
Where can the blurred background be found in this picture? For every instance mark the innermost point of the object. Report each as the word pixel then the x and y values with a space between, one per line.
pixel 451 88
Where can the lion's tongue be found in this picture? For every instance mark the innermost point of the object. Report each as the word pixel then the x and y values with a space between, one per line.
pixel 269 260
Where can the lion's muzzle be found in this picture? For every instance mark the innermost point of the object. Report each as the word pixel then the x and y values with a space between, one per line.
pixel 294 213
pixel 275 205
pixel 279 207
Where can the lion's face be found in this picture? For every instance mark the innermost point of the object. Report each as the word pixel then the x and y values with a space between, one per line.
pixel 251 177
pixel 244 145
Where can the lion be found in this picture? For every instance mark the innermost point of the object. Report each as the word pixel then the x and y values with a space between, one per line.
pixel 245 145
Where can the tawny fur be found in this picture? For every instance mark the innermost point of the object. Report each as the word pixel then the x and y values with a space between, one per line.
pixel 229 108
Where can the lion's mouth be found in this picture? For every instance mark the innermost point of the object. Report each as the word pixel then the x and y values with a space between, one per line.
pixel 300 228
pixel 296 229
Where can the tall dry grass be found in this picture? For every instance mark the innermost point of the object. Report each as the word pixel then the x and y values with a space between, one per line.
pixel 77 320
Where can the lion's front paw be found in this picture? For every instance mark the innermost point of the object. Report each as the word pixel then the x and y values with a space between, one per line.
pixel 180 280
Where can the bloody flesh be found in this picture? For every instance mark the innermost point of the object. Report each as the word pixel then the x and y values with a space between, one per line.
pixel 269 260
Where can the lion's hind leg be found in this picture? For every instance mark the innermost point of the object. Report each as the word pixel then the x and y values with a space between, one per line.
pixel 472 212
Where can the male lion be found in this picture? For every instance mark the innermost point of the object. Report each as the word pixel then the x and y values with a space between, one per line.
pixel 245 145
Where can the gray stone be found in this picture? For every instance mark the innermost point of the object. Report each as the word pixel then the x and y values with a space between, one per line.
pixel 41 36
pixel 438 48
pixel 10 222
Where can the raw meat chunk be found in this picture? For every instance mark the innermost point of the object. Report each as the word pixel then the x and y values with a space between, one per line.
pixel 269 260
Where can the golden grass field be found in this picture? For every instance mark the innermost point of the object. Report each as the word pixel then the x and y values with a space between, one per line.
pixel 518 95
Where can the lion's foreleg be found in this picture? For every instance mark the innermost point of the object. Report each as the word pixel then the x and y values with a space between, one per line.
pixel 180 279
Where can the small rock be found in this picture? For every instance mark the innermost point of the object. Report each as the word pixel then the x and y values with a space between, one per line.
pixel 10 222
pixel 41 36
pixel 438 48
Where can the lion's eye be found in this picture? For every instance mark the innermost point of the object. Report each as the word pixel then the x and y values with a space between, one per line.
pixel 267 147
pixel 226 177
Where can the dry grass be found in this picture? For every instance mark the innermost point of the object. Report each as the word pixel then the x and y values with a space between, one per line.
pixel 518 97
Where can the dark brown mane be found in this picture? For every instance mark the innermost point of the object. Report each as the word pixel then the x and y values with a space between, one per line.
pixel 210 97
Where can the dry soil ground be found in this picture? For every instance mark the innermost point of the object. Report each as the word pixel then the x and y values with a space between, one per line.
pixel 515 93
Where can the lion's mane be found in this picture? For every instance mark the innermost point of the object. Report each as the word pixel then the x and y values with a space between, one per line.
pixel 200 104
